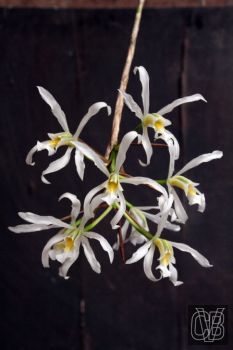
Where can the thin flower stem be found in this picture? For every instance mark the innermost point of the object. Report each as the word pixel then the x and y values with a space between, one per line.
pixel 124 80
pixel 112 161
pixel 97 221
pixel 139 228
pixel 121 243
pixel 78 222
pixel 129 205
pixel 161 181
pixel 140 213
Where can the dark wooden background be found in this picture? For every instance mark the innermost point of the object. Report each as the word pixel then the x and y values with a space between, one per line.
pixel 78 55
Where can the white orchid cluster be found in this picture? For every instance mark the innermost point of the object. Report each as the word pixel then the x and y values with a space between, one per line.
pixel 108 197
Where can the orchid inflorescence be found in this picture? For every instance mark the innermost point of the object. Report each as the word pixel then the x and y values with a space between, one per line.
pixel 167 213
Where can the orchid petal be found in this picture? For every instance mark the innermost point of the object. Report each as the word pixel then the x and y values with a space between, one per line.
pixel 174 275
pixel 156 219
pixel 87 201
pixel 124 146
pixel 96 201
pixel 55 107
pixel 151 217
pixel 42 220
pixel 201 159
pixel 60 255
pixel 147 207
pixel 198 199
pixel 172 227
pixel 69 262
pixel 45 253
pixel 132 105
pixel 164 270
pixel 164 216
pixel 179 209
pixel 173 148
pixel 145 140
pixel 45 145
pixel 109 197
pixel 172 153
pixel 136 238
pixel 201 203
pixel 76 205
pixel 169 136
pixel 93 110
pixel 144 78
pixel 124 230
pixel 120 211
pixel 89 153
pixel 147 264
pixel 195 254
pixel 79 162
pixel 139 217
pixel 29 228
pixel 95 265
pixel 140 253
pixel 145 181
pixel 180 101
pixel 30 155
pixel 103 242
pixel 58 164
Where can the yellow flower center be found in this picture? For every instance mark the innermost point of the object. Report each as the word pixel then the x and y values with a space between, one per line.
pixel 159 124
pixel 191 190
pixel 67 245
pixel 165 259
pixel 65 137
pixel 184 184
pixel 113 183
pixel 112 186
pixel 148 120
pixel 155 121
pixel 165 250
pixel 176 183
pixel 53 143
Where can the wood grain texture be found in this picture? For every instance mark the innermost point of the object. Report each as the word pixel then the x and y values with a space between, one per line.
pixel 113 4
pixel 207 69
pixel 78 56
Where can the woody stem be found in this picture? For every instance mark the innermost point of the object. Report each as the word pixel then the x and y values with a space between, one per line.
pixel 124 80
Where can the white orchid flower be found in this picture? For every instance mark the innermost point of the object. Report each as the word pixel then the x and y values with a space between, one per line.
pixel 135 237
pixel 166 259
pixel 165 247
pixel 66 138
pixel 65 245
pixel 155 120
pixel 189 187
pixel 113 191
pixel 141 215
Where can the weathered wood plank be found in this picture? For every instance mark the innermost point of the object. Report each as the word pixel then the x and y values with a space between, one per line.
pixel 33 54
pixel 208 51
pixel 114 4
pixel 79 55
